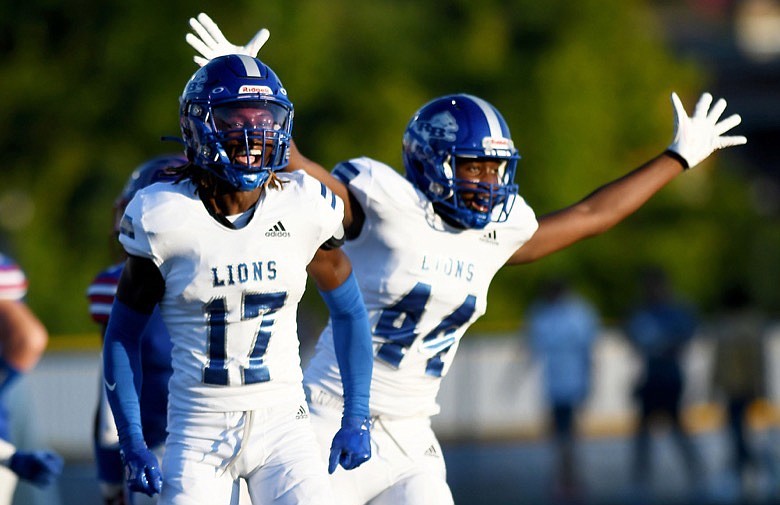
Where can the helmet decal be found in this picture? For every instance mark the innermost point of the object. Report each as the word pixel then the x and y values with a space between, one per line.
pixel 441 126
pixel 198 81
pixel 260 90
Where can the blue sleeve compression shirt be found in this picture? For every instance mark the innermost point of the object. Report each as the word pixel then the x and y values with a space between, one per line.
pixel 352 342
pixel 122 371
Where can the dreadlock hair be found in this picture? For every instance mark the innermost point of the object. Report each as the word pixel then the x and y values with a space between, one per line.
pixel 274 182
pixel 207 183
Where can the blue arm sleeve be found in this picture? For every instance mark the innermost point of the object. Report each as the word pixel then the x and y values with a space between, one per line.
pixel 122 371
pixel 108 460
pixel 352 342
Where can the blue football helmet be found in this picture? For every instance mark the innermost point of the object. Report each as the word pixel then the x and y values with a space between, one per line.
pixel 236 120
pixel 461 126
pixel 158 169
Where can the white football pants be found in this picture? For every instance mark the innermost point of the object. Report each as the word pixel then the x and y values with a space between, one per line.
pixel 273 449
pixel 406 465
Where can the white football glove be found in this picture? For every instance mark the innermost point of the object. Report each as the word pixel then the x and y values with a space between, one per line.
pixel 209 41
pixel 698 136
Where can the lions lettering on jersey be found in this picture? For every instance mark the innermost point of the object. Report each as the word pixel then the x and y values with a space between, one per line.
pixel 242 273
pixel 448 266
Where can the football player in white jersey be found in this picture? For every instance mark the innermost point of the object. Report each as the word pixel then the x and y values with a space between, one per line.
pixel 224 252
pixel 424 249
pixel 23 339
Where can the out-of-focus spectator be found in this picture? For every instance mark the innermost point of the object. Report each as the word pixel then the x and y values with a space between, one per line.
pixel 660 328
pixel 562 327
pixel 23 339
pixel 739 373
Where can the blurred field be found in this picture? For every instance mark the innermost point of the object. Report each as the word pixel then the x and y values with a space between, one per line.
pixel 492 427
pixel 520 472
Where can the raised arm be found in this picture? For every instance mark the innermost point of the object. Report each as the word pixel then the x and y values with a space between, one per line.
pixel 695 138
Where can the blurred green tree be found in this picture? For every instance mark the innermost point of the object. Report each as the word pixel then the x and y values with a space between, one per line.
pixel 89 88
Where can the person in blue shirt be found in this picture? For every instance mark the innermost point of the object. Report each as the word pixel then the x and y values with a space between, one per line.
pixel 562 328
pixel 660 328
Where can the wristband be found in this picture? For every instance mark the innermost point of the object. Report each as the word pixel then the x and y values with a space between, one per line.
pixel 678 157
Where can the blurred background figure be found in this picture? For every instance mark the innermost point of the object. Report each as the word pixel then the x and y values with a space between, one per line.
pixel 739 378
pixel 23 339
pixel 660 328
pixel 155 350
pixel 562 328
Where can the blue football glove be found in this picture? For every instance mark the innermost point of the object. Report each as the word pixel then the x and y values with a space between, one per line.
pixel 39 467
pixel 351 446
pixel 142 471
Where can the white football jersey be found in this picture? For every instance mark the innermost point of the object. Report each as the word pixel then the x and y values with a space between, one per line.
pixel 231 295
pixel 424 283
